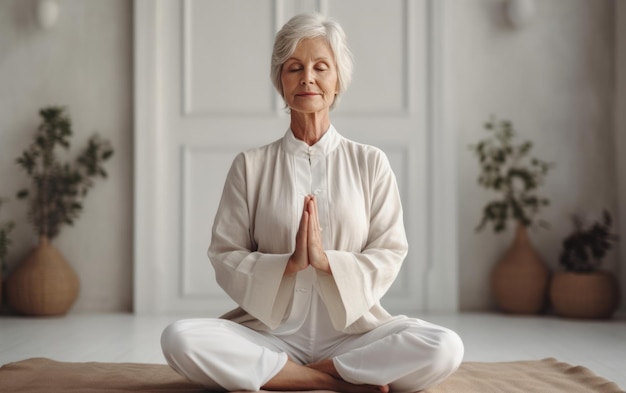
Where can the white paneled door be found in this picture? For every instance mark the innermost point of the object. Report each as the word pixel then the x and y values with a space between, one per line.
pixel 203 94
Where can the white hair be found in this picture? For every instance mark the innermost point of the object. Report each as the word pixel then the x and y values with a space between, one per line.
pixel 306 26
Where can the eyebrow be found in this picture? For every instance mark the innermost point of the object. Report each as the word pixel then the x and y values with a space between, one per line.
pixel 315 60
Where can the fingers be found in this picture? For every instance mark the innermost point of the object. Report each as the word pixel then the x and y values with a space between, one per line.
pixel 314 223
pixel 299 260
pixel 315 247
pixel 312 210
pixel 309 248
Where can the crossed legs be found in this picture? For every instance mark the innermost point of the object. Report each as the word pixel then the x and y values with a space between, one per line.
pixel 402 356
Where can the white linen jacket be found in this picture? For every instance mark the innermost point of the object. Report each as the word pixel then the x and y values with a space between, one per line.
pixel 360 215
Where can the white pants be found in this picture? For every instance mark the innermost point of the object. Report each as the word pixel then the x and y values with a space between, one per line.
pixel 408 354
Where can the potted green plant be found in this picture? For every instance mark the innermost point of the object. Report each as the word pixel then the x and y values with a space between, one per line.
pixel 5 242
pixel 44 283
pixel 519 281
pixel 582 289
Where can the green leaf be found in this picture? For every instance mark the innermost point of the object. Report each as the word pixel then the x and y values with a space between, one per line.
pixel 107 154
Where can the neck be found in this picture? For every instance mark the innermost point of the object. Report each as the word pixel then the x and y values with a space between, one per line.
pixel 309 127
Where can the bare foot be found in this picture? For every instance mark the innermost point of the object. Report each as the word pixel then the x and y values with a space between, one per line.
pixel 328 366
pixel 296 377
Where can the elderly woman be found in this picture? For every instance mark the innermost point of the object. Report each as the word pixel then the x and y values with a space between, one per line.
pixel 307 239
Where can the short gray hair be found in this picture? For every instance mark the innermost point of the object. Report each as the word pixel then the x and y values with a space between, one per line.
pixel 306 26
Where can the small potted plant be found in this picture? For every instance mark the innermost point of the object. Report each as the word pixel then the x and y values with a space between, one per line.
pixel 582 289
pixel 44 283
pixel 520 279
pixel 5 242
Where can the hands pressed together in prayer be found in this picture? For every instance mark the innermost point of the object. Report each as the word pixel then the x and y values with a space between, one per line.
pixel 309 249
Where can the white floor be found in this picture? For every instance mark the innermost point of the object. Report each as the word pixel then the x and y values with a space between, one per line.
pixel 597 345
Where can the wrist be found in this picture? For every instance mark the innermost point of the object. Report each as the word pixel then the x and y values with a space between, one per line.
pixel 292 267
pixel 325 266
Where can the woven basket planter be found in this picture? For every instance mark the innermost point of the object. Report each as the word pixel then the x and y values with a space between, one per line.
pixel 584 295
pixel 520 280
pixel 44 284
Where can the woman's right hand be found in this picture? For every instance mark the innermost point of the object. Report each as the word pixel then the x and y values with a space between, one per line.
pixel 299 260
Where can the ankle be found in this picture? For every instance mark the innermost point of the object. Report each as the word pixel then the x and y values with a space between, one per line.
pixel 326 366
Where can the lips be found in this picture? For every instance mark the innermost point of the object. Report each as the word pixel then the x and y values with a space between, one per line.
pixel 307 94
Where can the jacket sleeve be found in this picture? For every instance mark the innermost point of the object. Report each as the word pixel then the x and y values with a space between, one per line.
pixel 252 279
pixel 360 279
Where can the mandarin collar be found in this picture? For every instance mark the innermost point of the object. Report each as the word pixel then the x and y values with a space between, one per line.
pixel 327 143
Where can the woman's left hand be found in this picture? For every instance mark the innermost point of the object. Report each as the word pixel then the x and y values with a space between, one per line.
pixel 316 254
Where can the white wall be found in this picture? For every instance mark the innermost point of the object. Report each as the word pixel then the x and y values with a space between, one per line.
pixel 84 63
pixel 620 136
pixel 555 80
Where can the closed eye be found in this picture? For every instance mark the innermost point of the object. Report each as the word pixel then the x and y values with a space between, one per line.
pixel 322 67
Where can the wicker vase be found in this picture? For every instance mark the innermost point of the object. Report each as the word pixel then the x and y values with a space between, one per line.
pixel 44 284
pixel 584 295
pixel 519 281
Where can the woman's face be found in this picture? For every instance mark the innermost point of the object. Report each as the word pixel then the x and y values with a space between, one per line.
pixel 309 77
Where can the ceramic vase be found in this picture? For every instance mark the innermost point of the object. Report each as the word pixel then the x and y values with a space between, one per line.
pixel 44 284
pixel 520 280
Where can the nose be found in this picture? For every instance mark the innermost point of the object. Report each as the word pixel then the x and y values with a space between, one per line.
pixel 307 78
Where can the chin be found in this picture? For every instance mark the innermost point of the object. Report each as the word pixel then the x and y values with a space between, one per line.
pixel 308 110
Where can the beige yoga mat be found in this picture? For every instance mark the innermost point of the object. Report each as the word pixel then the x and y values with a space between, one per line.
pixel 46 375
